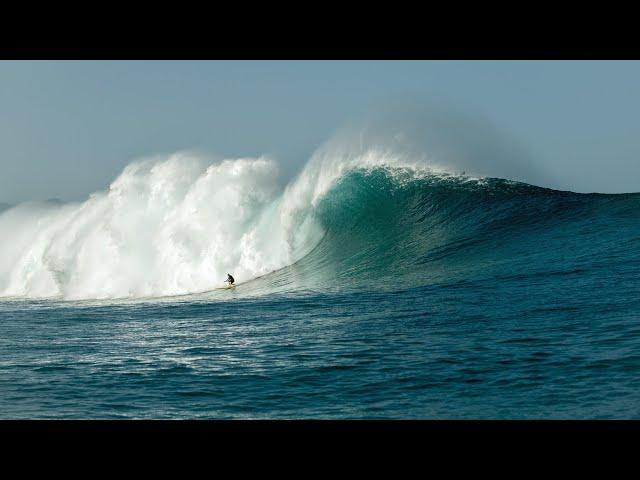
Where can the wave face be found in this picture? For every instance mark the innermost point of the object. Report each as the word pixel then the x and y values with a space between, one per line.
pixel 177 225
pixel 398 229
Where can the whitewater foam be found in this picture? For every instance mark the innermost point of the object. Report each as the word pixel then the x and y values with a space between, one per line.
pixel 166 226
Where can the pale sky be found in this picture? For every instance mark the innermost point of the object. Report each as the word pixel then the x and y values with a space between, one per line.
pixel 68 128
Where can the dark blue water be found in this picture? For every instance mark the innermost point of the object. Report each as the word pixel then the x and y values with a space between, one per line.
pixel 425 299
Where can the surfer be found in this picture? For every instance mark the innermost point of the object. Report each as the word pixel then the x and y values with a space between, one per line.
pixel 230 279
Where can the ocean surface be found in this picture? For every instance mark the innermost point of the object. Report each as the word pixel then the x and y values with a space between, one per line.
pixel 369 289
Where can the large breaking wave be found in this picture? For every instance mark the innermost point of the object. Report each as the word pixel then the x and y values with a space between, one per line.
pixel 176 225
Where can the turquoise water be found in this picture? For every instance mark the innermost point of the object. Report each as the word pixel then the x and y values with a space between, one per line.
pixel 425 298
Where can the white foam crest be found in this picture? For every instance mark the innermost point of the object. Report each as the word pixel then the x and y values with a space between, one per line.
pixel 166 226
